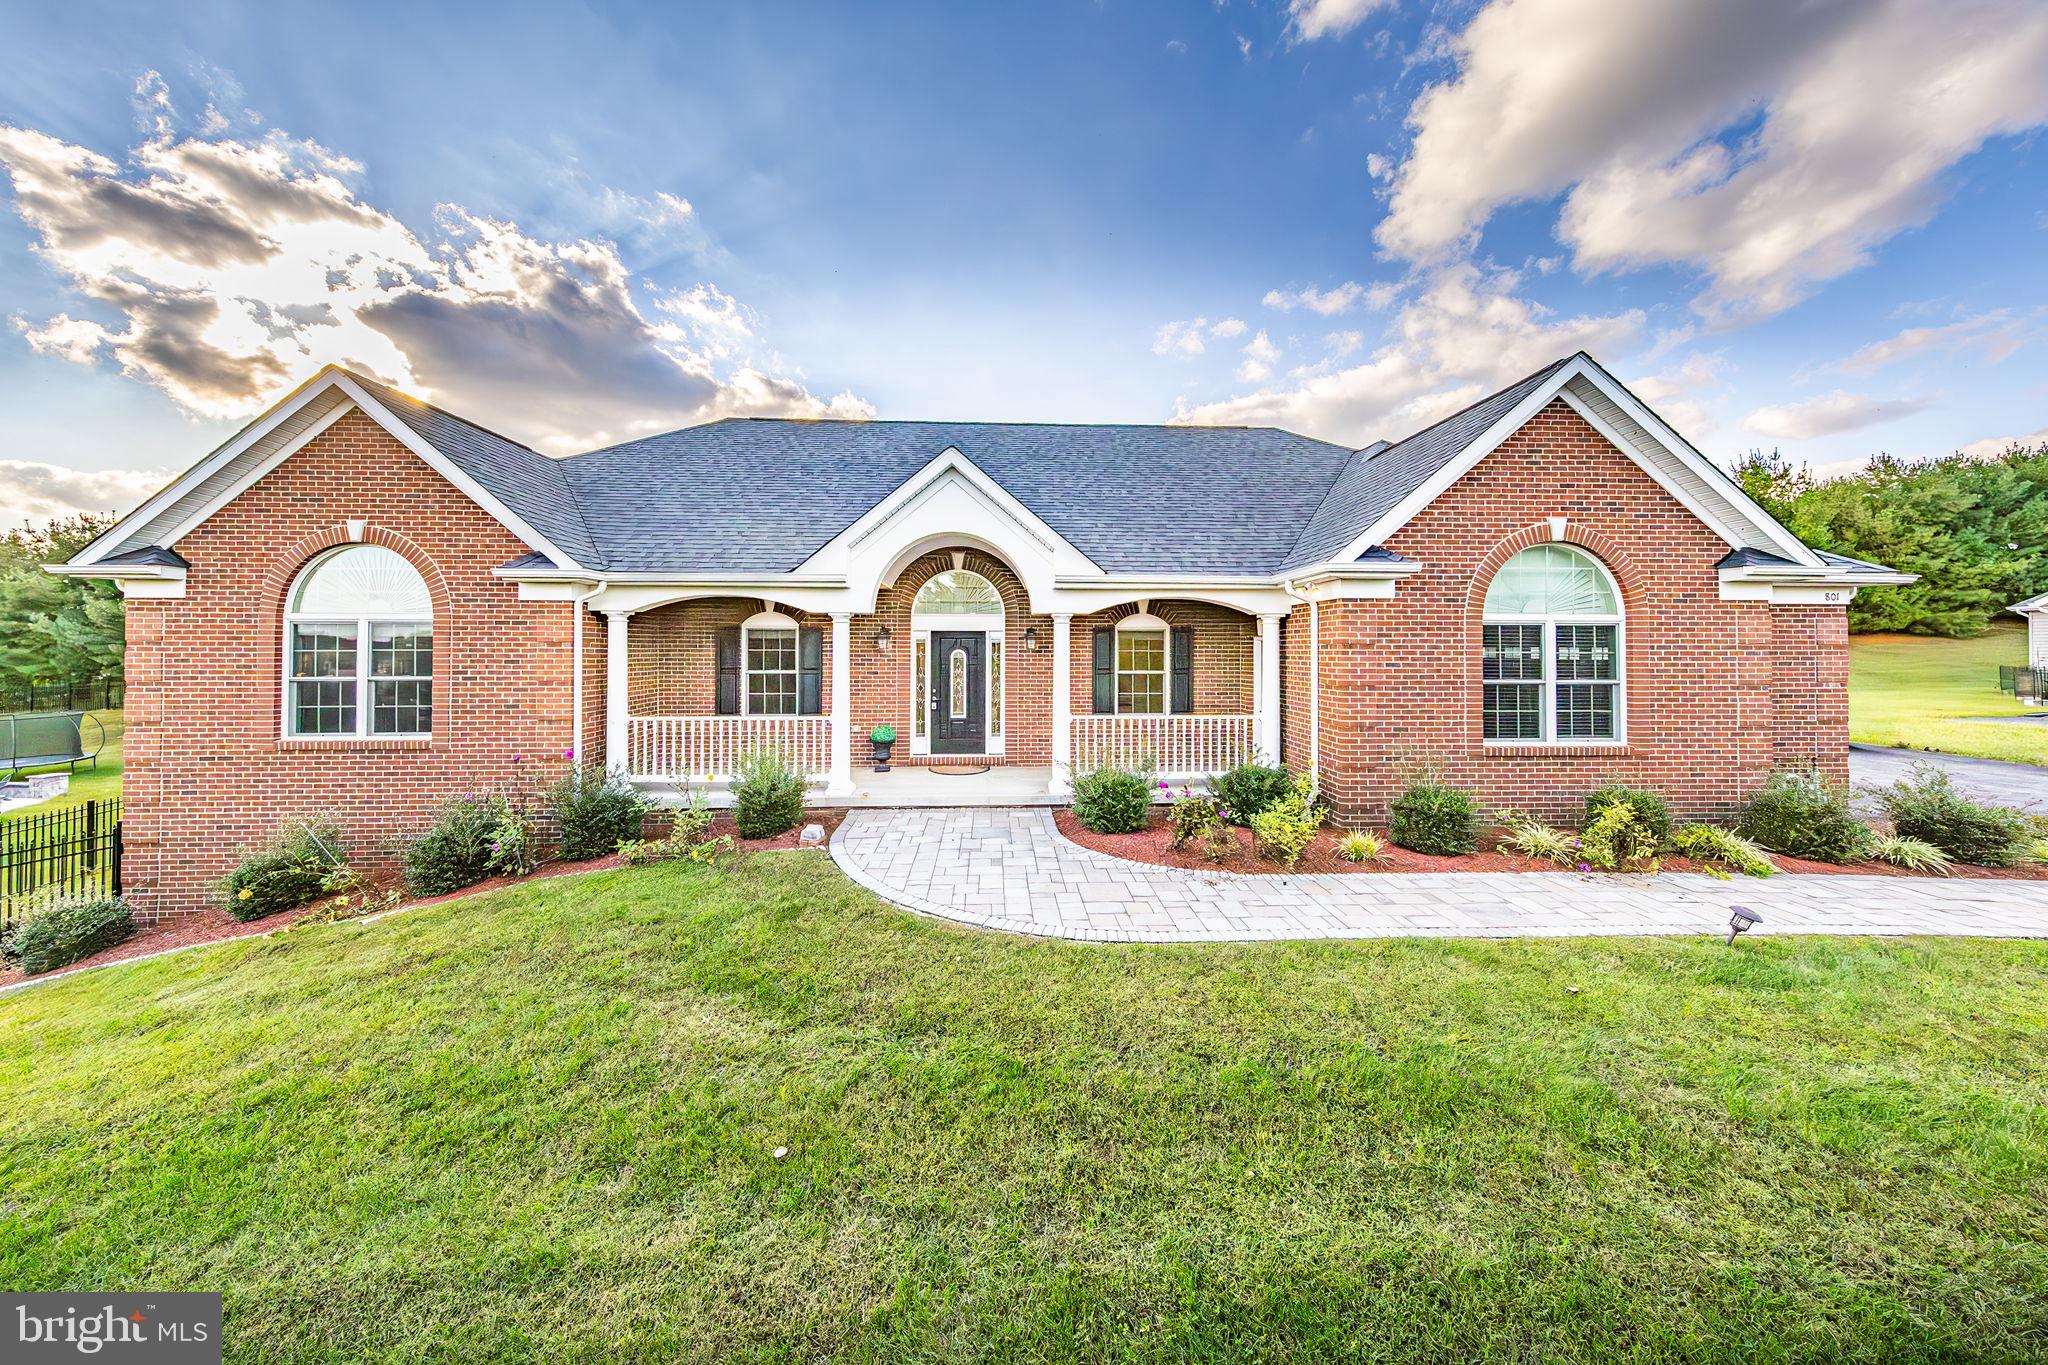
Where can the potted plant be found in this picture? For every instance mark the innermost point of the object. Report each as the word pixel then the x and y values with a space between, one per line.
pixel 884 738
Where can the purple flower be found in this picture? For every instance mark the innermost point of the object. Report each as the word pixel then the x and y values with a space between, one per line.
pixel 568 753
pixel 1162 784
pixel 1585 867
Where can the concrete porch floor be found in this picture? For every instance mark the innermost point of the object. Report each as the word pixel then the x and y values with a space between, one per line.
pixel 907 786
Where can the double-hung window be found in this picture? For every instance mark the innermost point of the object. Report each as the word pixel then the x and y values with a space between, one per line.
pixel 359 648
pixel 1550 650
pixel 771 672
pixel 1141 672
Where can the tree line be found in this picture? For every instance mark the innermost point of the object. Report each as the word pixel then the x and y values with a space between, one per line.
pixel 55 629
pixel 1975 530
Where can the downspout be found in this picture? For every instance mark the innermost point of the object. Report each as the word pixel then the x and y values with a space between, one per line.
pixel 576 673
pixel 1315 687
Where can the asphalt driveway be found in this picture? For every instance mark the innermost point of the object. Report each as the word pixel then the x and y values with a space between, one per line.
pixel 2022 786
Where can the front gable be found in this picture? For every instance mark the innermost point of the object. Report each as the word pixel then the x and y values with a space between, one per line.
pixel 950 501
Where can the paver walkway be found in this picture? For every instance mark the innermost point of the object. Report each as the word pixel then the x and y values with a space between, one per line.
pixel 1011 869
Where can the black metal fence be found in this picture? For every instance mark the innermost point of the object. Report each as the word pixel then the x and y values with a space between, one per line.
pixel 72 850
pixel 79 694
pixel 2023 682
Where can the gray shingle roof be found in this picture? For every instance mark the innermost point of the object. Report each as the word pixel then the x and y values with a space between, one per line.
pixel 764 494
pixel 1380 476
pixel 528 482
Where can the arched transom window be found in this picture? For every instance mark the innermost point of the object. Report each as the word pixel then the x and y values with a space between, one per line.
pixel 359 652
pixel 1551 649
pixel 958 592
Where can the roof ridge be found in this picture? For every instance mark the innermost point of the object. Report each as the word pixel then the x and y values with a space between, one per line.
pixel 871 422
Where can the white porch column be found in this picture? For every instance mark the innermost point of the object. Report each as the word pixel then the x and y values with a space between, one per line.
pixel 615 691
pixel 840 780
pixel 1062 703
pixel 1268 687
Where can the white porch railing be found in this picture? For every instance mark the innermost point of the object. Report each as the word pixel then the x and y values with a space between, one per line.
pixel 706 748
pixel 1174 746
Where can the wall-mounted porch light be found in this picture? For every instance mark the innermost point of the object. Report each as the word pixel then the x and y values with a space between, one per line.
pixel 1031 639
pixel 882 640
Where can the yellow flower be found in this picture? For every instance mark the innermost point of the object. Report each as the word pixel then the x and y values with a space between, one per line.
pixel 246 893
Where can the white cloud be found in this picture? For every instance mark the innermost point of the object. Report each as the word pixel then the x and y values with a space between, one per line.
pixel 1344 343
pixel 223 270
pixel 1244 47
pixel 1829 415
pixel 33 491
pixel 1771 145
pixel 1675 394
pixel 1186 336
pixel 1464 335
pixel 1259 355
pixel 1308 20
pixel 1330 302
pixel 1998 445
pixel 1995 335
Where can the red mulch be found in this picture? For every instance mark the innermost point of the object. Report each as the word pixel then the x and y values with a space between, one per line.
pixel 1151 846
pixel 217 926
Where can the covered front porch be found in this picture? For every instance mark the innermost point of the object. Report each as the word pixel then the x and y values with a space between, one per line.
pixel 954 660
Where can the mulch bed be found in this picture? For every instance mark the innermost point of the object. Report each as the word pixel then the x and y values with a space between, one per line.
pixel 218 926
pixel 1151 845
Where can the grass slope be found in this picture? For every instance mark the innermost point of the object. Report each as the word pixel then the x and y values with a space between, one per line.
pixel 1908 690
pixel 539 1125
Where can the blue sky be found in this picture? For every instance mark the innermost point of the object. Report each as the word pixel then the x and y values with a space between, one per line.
pixel 1819 227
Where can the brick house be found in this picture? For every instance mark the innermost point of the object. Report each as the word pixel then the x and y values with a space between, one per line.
pixel 362 605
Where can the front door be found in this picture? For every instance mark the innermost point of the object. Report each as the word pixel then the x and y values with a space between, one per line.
pixel 959 693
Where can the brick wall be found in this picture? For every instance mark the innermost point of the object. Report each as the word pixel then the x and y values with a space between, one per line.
pixel 208 771
pixel 1718 693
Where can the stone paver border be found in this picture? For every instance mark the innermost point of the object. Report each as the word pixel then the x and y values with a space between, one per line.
pixel 1010 869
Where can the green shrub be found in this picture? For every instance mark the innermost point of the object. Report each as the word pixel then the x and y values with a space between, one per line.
pixel 295 868
pixel 1804 815
pixel 1194 819
pixel 1249 788
pixel 597 810
pixel 455 851
pixel 1431 817
pixel 1112 800
pixel 2034 850
pixel 1532 839
pixel 1618 840
pixel 1915 855
pixel 1361 846
pixel 59 930
pixel 1721 848
pixel 693 821
pixel 1652 815
pixel 1926 807
pixel 1285 829
pixel 767 795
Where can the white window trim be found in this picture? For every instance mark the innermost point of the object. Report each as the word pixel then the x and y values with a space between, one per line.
pixel 993 630
pixel 1143 622
pixel 771 623
pixel 1549 738
pixel 365 696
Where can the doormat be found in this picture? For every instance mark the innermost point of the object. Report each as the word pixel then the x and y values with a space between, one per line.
pixel 959 769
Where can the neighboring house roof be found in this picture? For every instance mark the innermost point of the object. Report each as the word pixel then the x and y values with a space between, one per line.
pixel 2032 604
pixel 763 495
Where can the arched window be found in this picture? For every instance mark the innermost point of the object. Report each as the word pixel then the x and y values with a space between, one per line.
pixel 359 652
pixel 1551 649
pixel 958 592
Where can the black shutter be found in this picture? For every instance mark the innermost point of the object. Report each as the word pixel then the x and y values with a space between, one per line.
pixel 727 687
pixel 1105 672
pixel 810 671
pixel 1183 672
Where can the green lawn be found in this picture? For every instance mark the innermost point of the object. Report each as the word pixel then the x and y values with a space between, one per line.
pixel 539 1125
pixel 1908 690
